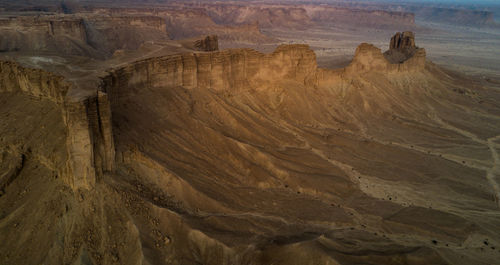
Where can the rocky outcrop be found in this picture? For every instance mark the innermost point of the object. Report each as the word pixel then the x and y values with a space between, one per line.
pixel 300 16
pixel 58 34
pixel 34 82
pixel 110 33
pixel 402 47
pixel 404 40
pixel 101 135
pixel 360 17
pixel 226 70
pixel 184 21
pixel 267 16
pixel 193 22
pixel 207 44
pixel 402 56
pixel 89 141
pixel 88 35
pixel 369 58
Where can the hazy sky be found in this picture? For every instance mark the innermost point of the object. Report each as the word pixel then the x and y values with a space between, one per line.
pixel 489 2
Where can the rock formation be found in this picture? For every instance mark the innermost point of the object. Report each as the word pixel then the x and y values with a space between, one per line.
pixel 402 47
pixel 360 17
pixel 302 16
pixel 89 141
pixel 402 41
pixel 88 35
pixel 225 70
pixel 207 44
pixel 241 157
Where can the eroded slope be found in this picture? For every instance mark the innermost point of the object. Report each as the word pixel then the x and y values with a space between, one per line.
pixel 239 157
pixel 314 162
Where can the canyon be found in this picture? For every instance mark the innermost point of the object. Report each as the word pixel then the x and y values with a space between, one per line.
pixel 171 152
pixel 212 133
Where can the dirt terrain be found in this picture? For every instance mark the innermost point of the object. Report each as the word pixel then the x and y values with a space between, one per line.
pixel 246 133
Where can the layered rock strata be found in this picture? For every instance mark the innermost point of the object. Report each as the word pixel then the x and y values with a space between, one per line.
pixel 89 140
pixel 404 40
pixel 88 35
pixel 207 44
pixel 225 70
pixel 402 47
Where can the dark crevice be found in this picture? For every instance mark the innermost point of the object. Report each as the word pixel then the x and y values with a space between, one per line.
pixel 10 177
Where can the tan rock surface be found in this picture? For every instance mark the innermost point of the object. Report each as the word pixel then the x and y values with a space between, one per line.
pixel 241 157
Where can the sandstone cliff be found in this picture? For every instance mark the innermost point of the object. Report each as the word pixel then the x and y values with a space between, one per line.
pixel 404 40
pixel 402 47
pixel 402 56
pixel 360 17
pixel 267 16
pixel 301 16
pixel 187 22
pixel 88 137
pixel 225 70
pixel 240 157
pixel 261 139
pixel 207 44
pixel 89 35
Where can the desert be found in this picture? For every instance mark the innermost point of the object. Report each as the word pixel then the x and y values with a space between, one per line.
pixel 249 132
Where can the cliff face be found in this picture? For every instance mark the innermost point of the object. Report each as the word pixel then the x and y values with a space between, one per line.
pixel 402 56
pixel 405 40
pixel 207 44
pixel 302 16
pixel 44 34
pixel 225 70
pixel 244 68
pixel 85 35
pixel 402 48
pixel 193 22
pixel 34 82
pixel 109 33
pixel 88 146
pixel 227 132
pixel 360 17
pixel 266 16
pixel 239 157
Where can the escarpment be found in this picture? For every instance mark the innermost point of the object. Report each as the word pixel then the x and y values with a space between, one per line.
pixel 96 36
pixel 241 157
pixel 207 44
pixel 238 68
pixel 402 55
pixel 273 139
pixel 87 151
pixel 89 138
pixel 225 70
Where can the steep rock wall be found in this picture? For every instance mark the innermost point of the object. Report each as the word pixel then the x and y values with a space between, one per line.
pixel 377 18
pixel 34 82
pixel 89 35
pixel 89 142
pixel 229 69
pixel 370 58
pixel 89 138
pixel 207 44
pixel 300 16
pixel 108 33
pixel 192 21
pixel 245 68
